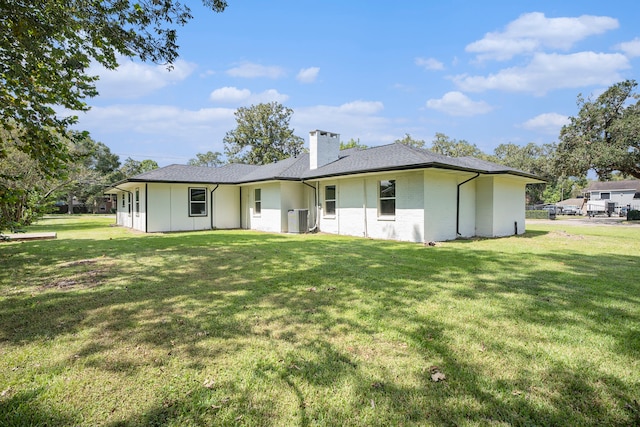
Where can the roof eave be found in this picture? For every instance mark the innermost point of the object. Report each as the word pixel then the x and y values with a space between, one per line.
pixel 430 165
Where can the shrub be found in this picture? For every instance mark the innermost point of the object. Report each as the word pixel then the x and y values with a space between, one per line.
pixel 633 215
pixel 536 214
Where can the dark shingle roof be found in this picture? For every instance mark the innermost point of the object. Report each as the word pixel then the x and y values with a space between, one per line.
pixel 352 161
pixel 230 174
pixel 399 156
pixel 613 185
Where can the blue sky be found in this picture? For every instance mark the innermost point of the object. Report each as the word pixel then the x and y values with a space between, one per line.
pixel 488 72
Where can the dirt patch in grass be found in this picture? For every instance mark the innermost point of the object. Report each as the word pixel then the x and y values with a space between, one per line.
pixel 84 273
pixel 561 234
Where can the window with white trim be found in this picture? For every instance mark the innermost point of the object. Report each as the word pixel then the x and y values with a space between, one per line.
pixel 387 197
pixel 197 202
pixel 257 201
pixel 330 200
pixel 137 201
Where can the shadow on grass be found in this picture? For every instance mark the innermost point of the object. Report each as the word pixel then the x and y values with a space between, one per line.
pixel 204 296
pixel 27 409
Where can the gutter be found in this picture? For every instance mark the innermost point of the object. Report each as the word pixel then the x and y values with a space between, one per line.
pixel 458 202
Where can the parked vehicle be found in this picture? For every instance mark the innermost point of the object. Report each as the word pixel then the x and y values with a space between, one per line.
pixel 571 210
pixel 597 207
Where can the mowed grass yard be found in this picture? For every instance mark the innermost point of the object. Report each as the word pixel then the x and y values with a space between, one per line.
pixel 105 326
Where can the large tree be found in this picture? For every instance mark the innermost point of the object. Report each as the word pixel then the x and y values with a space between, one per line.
pixel 352 143
pixel 537 160
pixel 408 140
pixel 604 136
pixel 209 159
pixel 442 144
pixel 262 135
pixel 46 47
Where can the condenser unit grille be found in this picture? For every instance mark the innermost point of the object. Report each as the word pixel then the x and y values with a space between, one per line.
pixel 298 220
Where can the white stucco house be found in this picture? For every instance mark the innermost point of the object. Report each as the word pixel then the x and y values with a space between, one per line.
pixel 386 192
pixel 620 194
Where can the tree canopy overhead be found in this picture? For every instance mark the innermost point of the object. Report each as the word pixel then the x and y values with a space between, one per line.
pixel 262 135
pixel 604 136
pixel 46 47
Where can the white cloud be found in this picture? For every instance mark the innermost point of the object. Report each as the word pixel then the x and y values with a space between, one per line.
pixel 361 107
pixel 270 95
pixel 308 75
pixel 429 63
pixel 458 104
pixel 548 123
pixel 154 131
pixel 230 95
pixel 357 119
pixel 153 119
pixel 134 79
pixel 533 32
pixel 630 48
pixel 250 70
pixel 547 72
pixel 233 95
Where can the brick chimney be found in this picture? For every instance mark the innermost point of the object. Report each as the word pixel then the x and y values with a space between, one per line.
pixel 324 148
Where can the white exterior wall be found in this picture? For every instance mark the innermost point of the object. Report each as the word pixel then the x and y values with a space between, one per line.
pixel 139 210
pixel 126 215
pixel 350 207
pixel 440 189
pixel 169 208
pixel 123 218
pixel 620 197
pixel 484 206
pixel 426 206
pixel 328 223
pixel 467 214
pixel 226 207
pixel 357 208
pixel 500 206
pixel 509 206
pixel 270 217
pixel 277 199
pixel 408 222
pixel 292 196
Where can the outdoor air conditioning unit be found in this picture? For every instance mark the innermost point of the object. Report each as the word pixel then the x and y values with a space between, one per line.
pixel 298 220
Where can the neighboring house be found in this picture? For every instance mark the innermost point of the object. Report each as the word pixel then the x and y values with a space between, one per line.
pixel 387 192
pixel 619 193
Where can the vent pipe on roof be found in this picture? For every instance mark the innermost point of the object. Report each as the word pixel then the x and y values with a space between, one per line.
pixel 324 148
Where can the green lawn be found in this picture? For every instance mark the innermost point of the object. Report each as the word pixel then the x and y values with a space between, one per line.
pixel 105 326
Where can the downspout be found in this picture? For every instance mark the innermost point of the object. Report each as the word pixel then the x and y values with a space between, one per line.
pixel 146 211
pixel 458 203
pixel 364 206
pixel 315 204
pixel 211 213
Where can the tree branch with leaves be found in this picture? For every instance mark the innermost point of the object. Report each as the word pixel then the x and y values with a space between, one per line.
pixel 46 47
pixel 604 135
